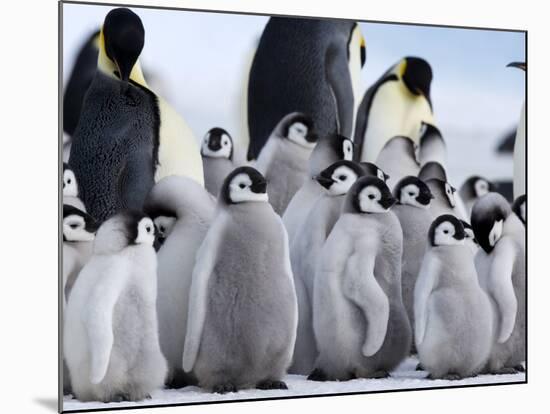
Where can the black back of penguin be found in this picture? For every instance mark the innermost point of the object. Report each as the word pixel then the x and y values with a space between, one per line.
pixel 289 74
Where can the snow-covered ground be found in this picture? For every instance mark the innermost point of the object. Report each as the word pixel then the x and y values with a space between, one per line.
pixel 404 377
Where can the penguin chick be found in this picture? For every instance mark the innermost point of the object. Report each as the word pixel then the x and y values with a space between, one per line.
pixel 242 305
pixel 413 211
pixel 305 251
pixel 469 237
pixel 70 189
pixel 329 149
pixel 398 159
pixel 500 265
pixel 445 199
pixel 283 160
pixel 183 210
pixel 360 323
pixel 217 158
pixel 520 208
pixel 453 325
pixel 473 188
pixel 395 105
pixel 432 169
pixel 431 147
pixel 110 339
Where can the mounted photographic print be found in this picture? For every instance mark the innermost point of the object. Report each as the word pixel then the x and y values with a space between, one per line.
pixel 260 207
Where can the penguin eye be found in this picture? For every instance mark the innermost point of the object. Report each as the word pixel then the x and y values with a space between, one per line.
pixel 148 229
pixel 446 231
pixel 68 180
pixel 342 177
pixel 162 228
pixel 371 196
pixel 242 185
pixel 73 226
pixel 411 193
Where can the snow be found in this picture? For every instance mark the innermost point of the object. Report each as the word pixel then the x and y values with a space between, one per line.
pixel 404 377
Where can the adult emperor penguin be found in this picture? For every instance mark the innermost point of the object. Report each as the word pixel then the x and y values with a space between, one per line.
pixel 329 149
pixel 70 189
pixel 361 326
pixel 395 105
pixel 500 265
pixel 472 189
pixel 242 306
pixel 305 252
pixel 519 145
pixel 519 206
pixel 431 146
pixel 451 347
pixel 412 209
pixel 110 339
pixel 307 65
pixel 470 237
pixel 283 160
pixel 192 210
pixel 398 158
pixel 432 169
pixel 127 137
pixel 217 158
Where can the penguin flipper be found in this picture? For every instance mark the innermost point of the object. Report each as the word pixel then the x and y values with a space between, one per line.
pixel 339 81
pixel 502 288
pixel 198 296
pixel 422 290
pixel 362 288
pixel 98 320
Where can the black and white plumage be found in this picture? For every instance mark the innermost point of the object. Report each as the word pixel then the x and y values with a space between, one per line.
pixel 306 65
pixel 453 323
pixel 242 312
pixel 500 265
pixel 284 158
pixel 217 150
pixel 110 339
pixel 361 326
pixel 519 206
pixel 70 189
pixel 445 199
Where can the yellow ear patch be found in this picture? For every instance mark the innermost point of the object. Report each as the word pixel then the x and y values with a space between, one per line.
pixel 363 44
pixel 402 67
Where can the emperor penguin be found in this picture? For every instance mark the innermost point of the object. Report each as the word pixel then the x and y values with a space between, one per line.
pixel 519 206
pixel 395 105
pixel 82 74
pixel 329 149
pixel 431 146
pixel 470 237
pixel 217 151
pixel 432 169
pixel 360 323
pixel 242 317
pixel 70 189
pixel 305 252
pixel 445 199
pixel 413 211
pixel 519 145
pixel 453 321
pixel 500 264
pixel 473 188
pixel 127 137
pixel 185 210
pixel 308 65
pixel 398 158
pixel 283 160
pixel 111 342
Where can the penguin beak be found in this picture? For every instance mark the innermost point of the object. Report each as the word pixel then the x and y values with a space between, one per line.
pixel 519 65
pixel 326 182
pixel 387 202
pixel 425 198
pixel 386 177
pixel 259 186
pixel 460 234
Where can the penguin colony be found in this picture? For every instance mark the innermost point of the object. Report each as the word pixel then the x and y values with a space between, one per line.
pixel 340 249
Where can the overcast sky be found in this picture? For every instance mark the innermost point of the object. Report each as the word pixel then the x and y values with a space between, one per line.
pixel 199 60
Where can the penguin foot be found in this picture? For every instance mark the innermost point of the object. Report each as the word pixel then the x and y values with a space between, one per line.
pixel 378 374
pixel 317 375
pixel 224 388
pixel 419 367
pixel 519 368
pixel 271 385
pixel 180 380
pixel 119 398
pixel 452 377
pixel 504 371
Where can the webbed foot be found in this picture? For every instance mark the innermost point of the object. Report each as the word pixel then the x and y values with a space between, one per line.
pixel 271 385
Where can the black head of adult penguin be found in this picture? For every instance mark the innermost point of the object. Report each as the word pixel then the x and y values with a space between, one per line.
pixel 123 39
pixel 417 76
pixel 519 65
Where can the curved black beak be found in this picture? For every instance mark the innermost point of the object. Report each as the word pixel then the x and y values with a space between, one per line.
pixel 519 65
pixel 387 202
pixel 259 186
pixel 326 182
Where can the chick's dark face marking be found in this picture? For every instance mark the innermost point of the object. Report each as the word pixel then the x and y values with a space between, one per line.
pixel 77 225
pixel 217 143
pixel 371 195
pixel 339 177
pixel 413 192
pixel 299 129
pixel 446 230
pixel 244 184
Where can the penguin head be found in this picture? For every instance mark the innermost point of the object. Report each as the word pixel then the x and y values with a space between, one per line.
pixel 443 187
pixel 217 143
pixel 412 191
pixel 417 76
pixel 468 232
pixel 77 225
pixel 164 221
pixel 243 185
pixel 520 208
pixel 126 228
pixel 122 39
pixel 339 177
pixel 373 170
pixel 432 169
pixel 369 195
pixel 70 186
pixel 329 149
pixel 298 128
pixel 488 215
pixel 446 230
pixel 476 186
